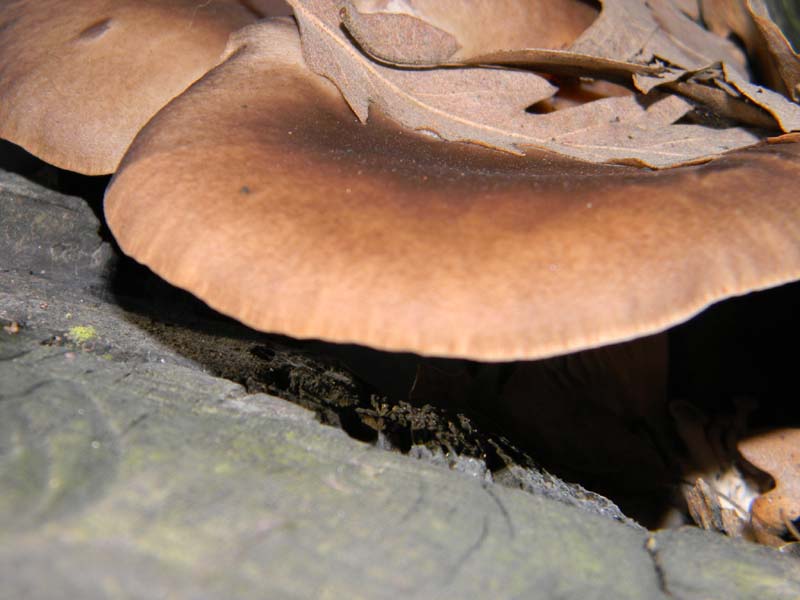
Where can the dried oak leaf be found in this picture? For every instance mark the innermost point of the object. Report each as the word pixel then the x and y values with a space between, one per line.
pixel 457 32
pixel 674 51
pixel 785 62
pixel 726 17
pixel 486 106
pixel 691 8
pixel 482 105
pixel 750 21
pixel 785 112
pixel 683 43
pixel 652 30
pixel 775 452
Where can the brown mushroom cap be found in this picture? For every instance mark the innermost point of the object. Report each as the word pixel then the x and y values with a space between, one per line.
pixel 78 79
pixel 258 191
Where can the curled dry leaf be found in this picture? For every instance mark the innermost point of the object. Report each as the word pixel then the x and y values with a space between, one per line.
pixel 784 63
pixel 750 21
pixel 455 37
pixel 400 38
pixel 777 511
pixel 671 50
pixel 691 8
pixel 487 105
pixel 482 105
pixel 388 29
pixel 784 111
pixel 653 31
pixel 684 44
pixel 726 17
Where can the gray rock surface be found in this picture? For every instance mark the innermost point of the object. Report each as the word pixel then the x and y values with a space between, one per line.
pixel 77 279
pixel 134 464
pixel 694 564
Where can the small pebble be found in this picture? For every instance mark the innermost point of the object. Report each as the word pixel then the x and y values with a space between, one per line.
pixel 12 328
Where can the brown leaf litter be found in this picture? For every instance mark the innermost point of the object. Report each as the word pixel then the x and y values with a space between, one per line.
pixel 471 73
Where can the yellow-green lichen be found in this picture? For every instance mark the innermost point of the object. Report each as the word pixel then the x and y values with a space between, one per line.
pixel 80 334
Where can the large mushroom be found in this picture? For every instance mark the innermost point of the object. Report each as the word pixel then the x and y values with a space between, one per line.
pixel 258 191
pixel 78 82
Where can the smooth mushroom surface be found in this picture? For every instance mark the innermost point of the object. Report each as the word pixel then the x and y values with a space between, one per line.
pixel 259 191
pixel 79 79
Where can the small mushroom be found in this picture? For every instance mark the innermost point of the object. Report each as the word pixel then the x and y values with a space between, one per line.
pixel 775 514
pixel 259 191
pixel 79 79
